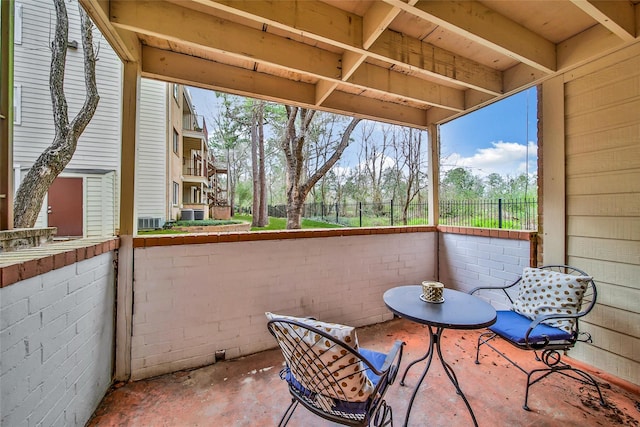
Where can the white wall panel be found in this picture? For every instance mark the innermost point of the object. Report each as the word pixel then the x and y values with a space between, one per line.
pixel 603 205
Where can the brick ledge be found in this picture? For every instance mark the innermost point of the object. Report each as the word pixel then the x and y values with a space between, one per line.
pixel 27 263
pixel 489 232
pixel 192 239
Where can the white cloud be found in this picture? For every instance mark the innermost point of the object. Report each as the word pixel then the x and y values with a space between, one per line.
pixel 504 158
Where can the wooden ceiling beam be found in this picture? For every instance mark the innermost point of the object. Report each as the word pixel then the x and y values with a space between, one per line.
pixel 432 61
pixel 616 16
pixel 376 21
pixel 383 80
pixel 484 26
pixel 193 71
pixel 199 30
pixel 125 44
pixel 313 19
pixel 389 112
pixel 327 24
pixel 586 46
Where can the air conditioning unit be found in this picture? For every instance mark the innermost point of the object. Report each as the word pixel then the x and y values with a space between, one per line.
pixel 148 223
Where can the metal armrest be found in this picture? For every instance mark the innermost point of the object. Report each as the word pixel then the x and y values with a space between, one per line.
pixel 535 322
pixel 540 319
pixel 394 353
pixel 497 288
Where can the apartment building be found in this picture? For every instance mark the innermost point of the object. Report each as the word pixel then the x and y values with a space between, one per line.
pixel 184 180
pixel 83 200
pixel 177 174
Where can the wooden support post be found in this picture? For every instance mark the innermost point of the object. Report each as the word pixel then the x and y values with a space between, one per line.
pixel 433 173
pixel 6 115
pixel 552 170
pixel 128 226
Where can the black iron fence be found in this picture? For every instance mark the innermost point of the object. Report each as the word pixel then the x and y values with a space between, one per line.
pixel 515 214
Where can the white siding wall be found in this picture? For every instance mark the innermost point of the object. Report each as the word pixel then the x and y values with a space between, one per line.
pixel 151 173
pixel 100 205
pixel 192 300
pixel 56 344
pixel 99 145
pixel 603 204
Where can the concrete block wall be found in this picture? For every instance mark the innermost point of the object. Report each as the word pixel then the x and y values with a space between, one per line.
pixel 56 344
pixel 467 261
pixel 192 300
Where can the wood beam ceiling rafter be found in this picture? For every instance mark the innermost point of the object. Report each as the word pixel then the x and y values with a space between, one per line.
pixel 309 19
pixel 616 16
pixel 478 23
pixel 202 31
pixel 125 44
pixel 194 71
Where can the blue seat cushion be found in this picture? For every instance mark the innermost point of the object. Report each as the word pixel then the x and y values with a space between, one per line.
pixel 375 358
pixel 513 327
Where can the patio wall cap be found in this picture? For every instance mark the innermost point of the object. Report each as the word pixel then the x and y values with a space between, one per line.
pixel 489 232
pixel 24 264
pixel 188 239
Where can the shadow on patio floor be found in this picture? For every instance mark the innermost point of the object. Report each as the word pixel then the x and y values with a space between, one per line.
pixel 248 391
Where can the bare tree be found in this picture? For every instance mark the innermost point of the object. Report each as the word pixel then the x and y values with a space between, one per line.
pixel 57 156
pixel 260 214
pixel 298 182
pixel 412 149
pixel 373 155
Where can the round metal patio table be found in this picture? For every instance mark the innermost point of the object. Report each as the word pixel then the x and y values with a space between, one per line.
pixel 458 311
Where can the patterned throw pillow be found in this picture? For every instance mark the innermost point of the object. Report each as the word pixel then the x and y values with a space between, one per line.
pixel 545 292
pixel 353 388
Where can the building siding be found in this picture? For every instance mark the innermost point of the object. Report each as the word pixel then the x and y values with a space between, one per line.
pixel 100 205
pixel 603 204
pixel 99 146
pixel 151 173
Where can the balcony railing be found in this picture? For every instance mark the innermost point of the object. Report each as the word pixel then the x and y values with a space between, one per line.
pixel 193 170
pixel 193 122
pixel 515 214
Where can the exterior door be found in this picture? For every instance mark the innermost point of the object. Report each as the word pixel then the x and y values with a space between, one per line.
pixel 65 207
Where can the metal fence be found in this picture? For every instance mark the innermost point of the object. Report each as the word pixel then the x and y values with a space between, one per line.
pixel 515 214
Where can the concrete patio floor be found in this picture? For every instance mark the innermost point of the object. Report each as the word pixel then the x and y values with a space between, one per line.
pixel 249 392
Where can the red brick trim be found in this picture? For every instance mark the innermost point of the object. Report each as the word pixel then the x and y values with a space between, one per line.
pixel 489 232
pixel 59 256
pixel 191 239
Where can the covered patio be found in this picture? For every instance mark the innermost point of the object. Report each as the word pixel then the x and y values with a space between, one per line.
pixel 248 392
pixel 75 319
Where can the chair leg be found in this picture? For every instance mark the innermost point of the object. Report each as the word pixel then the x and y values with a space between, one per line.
pixel 383 417
pixel 586 379
pixel 482 341
pixel 288 413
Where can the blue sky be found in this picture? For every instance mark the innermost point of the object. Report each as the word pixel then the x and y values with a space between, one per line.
pixel 492 139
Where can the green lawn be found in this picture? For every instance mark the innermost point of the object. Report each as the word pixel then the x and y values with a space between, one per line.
pixel 281 223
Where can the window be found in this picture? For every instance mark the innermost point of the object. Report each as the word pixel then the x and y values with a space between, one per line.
pixel 17 104
pixel 176 193
pixel 175 92
pixel 17 24
pixel 176 141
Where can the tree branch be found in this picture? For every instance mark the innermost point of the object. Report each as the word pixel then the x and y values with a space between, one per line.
pixel 344 143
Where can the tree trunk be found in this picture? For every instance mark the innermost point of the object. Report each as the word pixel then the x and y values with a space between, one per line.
pixel 255 171
pixel 260 217
pixel 293 144
pixel 263 217
pixel 57 156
